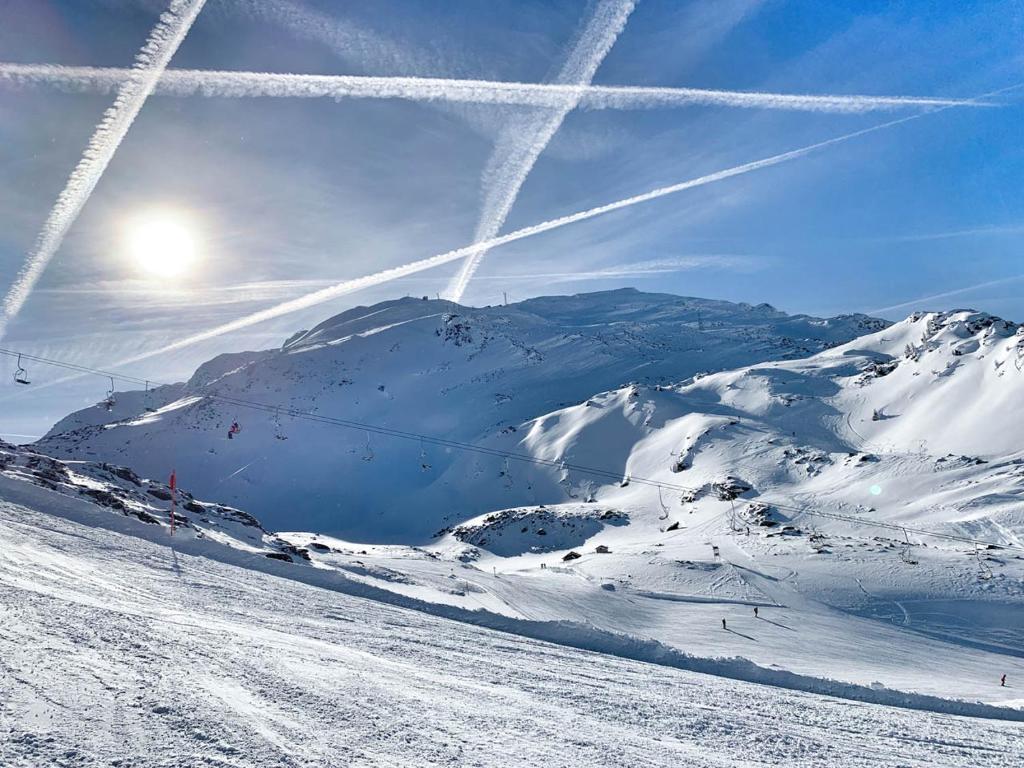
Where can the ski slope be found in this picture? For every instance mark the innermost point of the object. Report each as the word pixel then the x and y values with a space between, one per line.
pixel 862 624
pixel 120 648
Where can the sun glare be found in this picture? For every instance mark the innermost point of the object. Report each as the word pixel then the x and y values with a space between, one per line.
pixel 162 243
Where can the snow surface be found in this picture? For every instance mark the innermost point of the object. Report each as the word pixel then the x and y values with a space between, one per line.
pixel 121 649
pixel 123 492
pixel 914 425
pixel 421 366
pixel 904 431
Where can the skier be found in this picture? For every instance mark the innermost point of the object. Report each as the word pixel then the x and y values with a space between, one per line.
pixel 1002 681
pixel 723 624
pixel 233 430
pixel 755 611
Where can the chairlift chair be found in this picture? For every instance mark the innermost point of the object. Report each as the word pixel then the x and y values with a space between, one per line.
pixel 368 451
pixel 148 407
pixel 984 571
pixel 278 432
pixel 664 507
pixel 905 555
pixel 21 375
pixel 109 402
pixel 424 462
pixel 507 474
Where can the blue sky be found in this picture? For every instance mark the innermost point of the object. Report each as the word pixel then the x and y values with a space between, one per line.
pixel 289 195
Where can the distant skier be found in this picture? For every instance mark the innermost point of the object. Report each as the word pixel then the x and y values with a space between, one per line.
pixel 233 430
pixel 724 627
pixel 1002 681
pixel 755 611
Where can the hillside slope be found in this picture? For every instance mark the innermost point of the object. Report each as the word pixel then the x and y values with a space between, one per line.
pixel 920 421
pixel 841 495
pixel 419 366
pixel 891 432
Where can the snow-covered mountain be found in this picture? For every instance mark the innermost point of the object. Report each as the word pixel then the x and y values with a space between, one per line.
pixel 920 420
pixel 841 494
pixel 906 431
pixel 421 366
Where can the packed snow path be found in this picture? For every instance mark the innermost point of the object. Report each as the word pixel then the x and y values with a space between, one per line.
pixel 116 650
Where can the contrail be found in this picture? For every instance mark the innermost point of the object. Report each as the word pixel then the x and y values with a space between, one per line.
pixel 237 85
pixel 150 62
pixel 241 469
pixel 936 296
pixel 521 143
pixel 387 275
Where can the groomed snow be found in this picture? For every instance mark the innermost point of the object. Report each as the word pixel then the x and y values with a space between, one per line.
pixel 117 650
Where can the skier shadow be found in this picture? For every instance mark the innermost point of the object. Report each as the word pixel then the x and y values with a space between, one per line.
pixel 174 563
pixel 777 624
pixel 742 635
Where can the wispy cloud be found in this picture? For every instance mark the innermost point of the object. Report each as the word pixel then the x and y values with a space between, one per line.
pixel 232 84
pixel 921 301
pixel 346 38
pixel 523 141
pixel 924 237
pixel 146 294
pixel 150 62
pixel 388 275
pixel 651 267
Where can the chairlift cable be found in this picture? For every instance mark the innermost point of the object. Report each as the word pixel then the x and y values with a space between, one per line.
pixel 560 464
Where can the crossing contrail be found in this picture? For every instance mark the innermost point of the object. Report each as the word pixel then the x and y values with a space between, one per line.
pixel 139 81
pixel 378 278
pixel 236 85
pixel 522 141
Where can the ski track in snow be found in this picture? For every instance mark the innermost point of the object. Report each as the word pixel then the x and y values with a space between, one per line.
pixel 115 648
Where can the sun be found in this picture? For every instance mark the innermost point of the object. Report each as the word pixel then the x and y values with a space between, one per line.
pixel 162 243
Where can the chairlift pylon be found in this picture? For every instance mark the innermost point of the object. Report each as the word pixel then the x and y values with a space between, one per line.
pixel 21 375
pixel 507 474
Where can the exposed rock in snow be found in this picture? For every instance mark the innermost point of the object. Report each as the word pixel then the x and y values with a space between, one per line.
pixel 122 491
pixel 516 531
